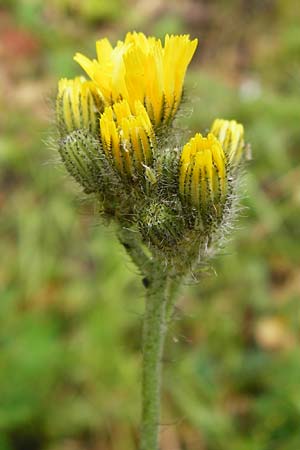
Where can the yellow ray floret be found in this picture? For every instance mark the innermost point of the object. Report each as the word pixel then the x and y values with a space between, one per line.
pixel 127 137
pixel 78 104
pixel 202 175
pixel 142 69
pixel 231 136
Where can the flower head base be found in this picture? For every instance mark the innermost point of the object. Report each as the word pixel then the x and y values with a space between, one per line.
pixel 231 136
pixel 128 140
pixel 78 105
pixel 142 69
pixel 162 225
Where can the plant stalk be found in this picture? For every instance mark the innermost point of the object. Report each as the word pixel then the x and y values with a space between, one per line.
pixel 154 331
pixel 134 248
pixel 172 294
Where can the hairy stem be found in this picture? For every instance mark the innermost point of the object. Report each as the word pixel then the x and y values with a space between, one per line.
pixel 161 290
pixel 129 240
pixel 153 339
pixel 172 294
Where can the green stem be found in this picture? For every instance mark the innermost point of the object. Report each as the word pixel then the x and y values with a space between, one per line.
pixel 172 294
pixel 132 245
pixel 153 339
pixel 160 300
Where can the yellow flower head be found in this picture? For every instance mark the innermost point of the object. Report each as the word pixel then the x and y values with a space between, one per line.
pixel 142 69
pixel 202 177
pixel 78 105
pixel 231 137
pixel 128 139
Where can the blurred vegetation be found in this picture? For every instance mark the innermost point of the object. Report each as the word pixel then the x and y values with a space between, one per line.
pixel 70 301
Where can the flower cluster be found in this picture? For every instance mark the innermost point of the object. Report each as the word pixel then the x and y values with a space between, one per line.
pixel 141 69
pixel 117 139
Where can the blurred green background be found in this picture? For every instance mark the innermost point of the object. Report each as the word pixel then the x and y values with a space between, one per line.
pixel 71 302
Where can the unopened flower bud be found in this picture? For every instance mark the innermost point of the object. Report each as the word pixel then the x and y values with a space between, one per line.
pixel 127 138
pixel 231 136
pixel 202 176
pixel 78 105
pixel 162 225
pixel 86 162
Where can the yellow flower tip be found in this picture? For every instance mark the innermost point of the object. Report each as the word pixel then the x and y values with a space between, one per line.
pixel 142 69
pixel 78 105
pixel 202 173
pixel 127 137
pixel 231 136
pixel 104 49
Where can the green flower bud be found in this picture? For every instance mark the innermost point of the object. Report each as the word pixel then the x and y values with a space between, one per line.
pixel 86 162
pixel 161 225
